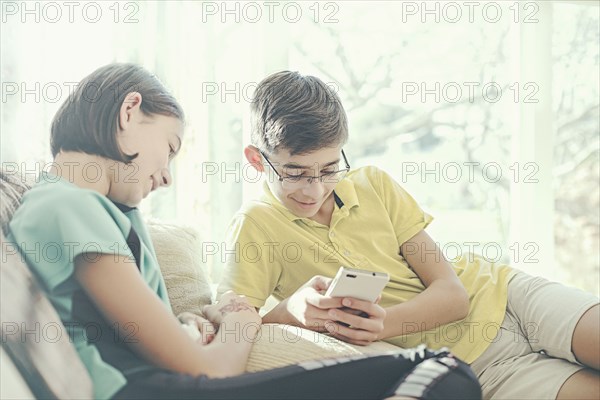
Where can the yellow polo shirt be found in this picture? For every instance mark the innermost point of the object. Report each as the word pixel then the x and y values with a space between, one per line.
pixel 272 251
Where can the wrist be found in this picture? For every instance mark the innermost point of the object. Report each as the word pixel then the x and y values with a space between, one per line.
pixel 242 316
pixel 395 320
pixel 387 330
pixel 241 324
pixel 281 314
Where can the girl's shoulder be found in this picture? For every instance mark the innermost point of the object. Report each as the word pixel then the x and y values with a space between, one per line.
pixel 55 201
pixel 51 192
pixel 58 220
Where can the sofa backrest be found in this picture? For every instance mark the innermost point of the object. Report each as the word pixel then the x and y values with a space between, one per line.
pixel 32 332
pixel 12 188
pixel 13 386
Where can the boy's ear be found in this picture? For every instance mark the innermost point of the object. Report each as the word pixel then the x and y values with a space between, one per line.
pixel 130 105
pixel 254 158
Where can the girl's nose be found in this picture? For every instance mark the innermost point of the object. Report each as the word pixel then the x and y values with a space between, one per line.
pixel 162 178
pixel 165 177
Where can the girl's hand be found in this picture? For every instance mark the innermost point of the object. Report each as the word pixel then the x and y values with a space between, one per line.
pixel 231 304
pixel 204 328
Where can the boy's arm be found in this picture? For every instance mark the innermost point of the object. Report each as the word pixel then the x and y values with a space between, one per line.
pixel 257 277
pixel 252 266
pixel 307 307
pixel 443 301
pixel 444 298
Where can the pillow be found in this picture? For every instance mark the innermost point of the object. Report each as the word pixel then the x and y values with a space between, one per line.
pixel 12 188
pixel 33 335
pixel 278 345
pixel 180 259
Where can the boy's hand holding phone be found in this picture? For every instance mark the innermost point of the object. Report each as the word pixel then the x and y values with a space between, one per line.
pixel 333 306
pixel 361 320
pixel 308 306
pixel 352 327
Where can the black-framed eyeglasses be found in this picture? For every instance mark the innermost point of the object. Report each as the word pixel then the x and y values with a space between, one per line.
pixel 289 181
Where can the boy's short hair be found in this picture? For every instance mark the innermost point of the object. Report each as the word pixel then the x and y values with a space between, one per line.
pixel 296 112
pixel 88 120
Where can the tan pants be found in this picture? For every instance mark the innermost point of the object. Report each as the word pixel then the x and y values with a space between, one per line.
pixel 531 356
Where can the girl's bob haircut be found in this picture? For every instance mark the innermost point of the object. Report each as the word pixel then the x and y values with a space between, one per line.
pixel 88 120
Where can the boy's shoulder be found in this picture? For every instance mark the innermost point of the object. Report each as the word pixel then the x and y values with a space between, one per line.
pixel 256 218
pixel 368 173
pixel 374 179
pixel 369 181
pixel 259 209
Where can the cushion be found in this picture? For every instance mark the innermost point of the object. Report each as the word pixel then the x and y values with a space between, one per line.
pixel 14 386
pixel 12 187
pixel 279 345
pixel 33 335
pixel 180 259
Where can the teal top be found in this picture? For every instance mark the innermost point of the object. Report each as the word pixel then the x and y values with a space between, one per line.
pixel 56 222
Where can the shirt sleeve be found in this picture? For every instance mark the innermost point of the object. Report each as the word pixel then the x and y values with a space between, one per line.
pixel 405 213
pixel 252 267
pixel 51 231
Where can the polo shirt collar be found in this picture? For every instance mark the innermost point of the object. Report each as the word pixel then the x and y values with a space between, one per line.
pixel 345 191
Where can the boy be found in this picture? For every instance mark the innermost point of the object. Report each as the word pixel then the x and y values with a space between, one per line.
pixel 317 215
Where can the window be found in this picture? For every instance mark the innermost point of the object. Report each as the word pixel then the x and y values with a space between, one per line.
pixel 488 116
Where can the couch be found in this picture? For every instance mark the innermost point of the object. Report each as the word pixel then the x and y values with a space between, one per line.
pixel 37 358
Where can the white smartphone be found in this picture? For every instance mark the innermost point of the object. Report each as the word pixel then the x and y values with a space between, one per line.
pixel 358 283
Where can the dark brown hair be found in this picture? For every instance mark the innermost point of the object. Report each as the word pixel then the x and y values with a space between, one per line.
pixel 88 120
pixel 299 113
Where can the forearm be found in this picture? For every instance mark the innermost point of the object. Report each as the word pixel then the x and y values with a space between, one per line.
pixel 226 355
pixel 279 315
pixel 228 352
pixel 158 336
pixel 440 303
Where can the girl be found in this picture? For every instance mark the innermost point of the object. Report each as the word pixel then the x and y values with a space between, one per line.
pixel 112 141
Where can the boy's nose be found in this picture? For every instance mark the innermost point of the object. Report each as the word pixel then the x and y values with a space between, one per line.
pixel 314 190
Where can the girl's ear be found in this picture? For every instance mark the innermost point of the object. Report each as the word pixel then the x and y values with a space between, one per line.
pixel 131 106
pixel 254 158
